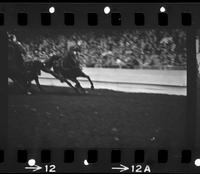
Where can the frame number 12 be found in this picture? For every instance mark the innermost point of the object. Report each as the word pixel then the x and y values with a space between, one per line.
pixel 50 168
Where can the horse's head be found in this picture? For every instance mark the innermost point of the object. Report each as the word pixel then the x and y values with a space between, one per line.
pixel 75 49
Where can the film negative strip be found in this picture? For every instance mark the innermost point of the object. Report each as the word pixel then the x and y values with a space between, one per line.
pixel 100 88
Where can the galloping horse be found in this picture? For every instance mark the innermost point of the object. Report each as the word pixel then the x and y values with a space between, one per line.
pixel 68 68
pixel 16 68
pixel 21 72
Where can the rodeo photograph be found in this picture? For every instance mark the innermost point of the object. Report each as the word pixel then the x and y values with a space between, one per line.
pixel 97 88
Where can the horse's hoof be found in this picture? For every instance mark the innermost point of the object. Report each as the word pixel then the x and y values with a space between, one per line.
pixel 92 87
pixel 29 93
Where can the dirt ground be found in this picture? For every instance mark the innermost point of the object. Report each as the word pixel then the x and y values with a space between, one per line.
pixel 101 118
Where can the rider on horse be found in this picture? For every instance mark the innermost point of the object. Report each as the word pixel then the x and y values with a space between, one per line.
pixel 67 67
pixel 12 41
pixel 16 48
pixel 69 61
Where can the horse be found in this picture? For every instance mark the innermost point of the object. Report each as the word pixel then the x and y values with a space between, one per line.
pixel 16 68
pixel 22 73
pixel 33 70
pixel 48 64
pixel 68 68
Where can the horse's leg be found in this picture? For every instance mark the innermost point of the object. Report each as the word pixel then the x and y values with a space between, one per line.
pixel 38 84
pixel 78 85
pixel 61 78
pixel 19 85
pixel 86 76
pixel 28 88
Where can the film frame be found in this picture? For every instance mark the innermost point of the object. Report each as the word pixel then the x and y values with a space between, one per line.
pixel 184 16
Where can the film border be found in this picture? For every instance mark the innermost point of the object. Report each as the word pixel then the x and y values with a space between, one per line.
pixel 151 21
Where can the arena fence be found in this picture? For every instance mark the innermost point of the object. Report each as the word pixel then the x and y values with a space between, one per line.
pixel 130 80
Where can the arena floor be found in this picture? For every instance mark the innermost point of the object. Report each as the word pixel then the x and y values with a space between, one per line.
pixel 172 82
pixel 101 118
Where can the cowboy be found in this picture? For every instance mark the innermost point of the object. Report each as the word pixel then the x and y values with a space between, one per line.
pixel 12 40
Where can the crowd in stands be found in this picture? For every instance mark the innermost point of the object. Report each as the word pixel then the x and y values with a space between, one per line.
pixel 198 53
pixel 160 49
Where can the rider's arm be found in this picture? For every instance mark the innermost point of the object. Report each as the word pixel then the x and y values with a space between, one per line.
pixel 21 47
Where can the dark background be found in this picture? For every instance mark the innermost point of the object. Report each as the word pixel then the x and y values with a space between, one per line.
pixel 151 22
